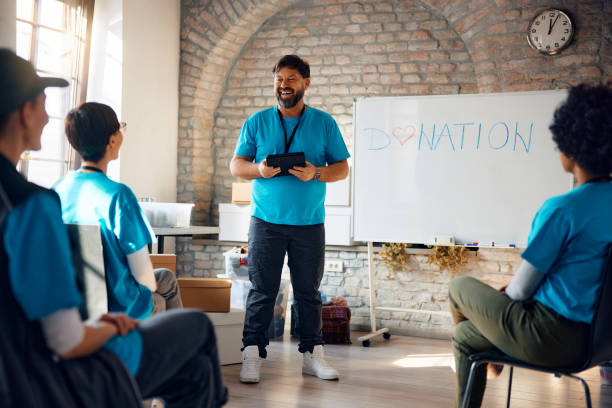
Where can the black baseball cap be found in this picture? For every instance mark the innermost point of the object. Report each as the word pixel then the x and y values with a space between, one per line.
pixel 19 82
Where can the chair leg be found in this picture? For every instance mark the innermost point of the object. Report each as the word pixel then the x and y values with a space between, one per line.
pixel 587 393
pixel 468 388
pixel 509 386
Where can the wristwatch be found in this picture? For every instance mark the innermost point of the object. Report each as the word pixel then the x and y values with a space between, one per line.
pixel 318 174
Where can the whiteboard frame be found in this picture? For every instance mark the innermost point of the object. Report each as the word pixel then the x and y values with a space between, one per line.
pixel 570 176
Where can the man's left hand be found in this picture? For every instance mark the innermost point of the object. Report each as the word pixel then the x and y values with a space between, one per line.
pixel 306 173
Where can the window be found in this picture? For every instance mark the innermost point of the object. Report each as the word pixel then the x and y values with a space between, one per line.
pixel 54 36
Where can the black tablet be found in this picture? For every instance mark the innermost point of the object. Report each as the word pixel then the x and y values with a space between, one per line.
pixel 286 161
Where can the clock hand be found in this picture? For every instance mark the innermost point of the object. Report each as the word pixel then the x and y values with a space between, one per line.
pixel 553 24
pixel 549 26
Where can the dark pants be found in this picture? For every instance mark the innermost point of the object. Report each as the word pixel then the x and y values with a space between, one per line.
pixel 305 247
pixel 486 319
pixel 167 296
pixel 180 362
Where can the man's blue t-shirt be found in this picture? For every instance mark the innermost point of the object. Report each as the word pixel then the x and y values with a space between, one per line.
pixel 41 272
pixel 567 243
pixel 93 198
pixel 289 200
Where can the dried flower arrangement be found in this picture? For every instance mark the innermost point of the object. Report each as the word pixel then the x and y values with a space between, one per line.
pixel 395 256
pixel 448 257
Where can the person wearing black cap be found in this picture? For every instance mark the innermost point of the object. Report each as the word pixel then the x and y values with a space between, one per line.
pixel 50 357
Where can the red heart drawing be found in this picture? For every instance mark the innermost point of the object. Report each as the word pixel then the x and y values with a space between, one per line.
pixel 403 134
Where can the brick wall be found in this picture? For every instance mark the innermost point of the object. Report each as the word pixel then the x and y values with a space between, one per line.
pixel 365 48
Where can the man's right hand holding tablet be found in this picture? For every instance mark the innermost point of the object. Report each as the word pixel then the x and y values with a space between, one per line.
pixel 267 171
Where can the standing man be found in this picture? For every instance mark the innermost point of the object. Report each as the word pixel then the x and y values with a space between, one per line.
pixel 288 213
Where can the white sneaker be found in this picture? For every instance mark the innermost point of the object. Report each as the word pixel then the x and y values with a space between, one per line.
pixel 315 364
pixel 251 365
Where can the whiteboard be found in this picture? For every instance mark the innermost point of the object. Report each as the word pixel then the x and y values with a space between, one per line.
pixel 476 167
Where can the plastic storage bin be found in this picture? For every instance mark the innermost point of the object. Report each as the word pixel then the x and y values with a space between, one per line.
pixel 277 325
pixel 236 264
pixel 164 215
pixel 239 292
pixel 238 298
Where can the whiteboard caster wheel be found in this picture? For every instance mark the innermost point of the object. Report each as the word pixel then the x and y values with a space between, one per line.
pixel 386 336
pixel 366 343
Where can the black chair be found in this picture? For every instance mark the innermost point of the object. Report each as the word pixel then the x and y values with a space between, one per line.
pixel 599 351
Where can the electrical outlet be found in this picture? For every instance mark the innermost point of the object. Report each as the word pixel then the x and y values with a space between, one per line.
pixel 334 266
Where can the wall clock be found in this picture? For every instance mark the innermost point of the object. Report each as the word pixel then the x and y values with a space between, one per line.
pixel 550 31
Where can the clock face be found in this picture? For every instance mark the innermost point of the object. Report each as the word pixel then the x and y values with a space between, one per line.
pixel 550 31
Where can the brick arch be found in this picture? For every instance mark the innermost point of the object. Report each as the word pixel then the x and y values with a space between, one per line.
pixel 473 20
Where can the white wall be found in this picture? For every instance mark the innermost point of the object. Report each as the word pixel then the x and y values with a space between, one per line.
pixel 8 24
pixel 151 34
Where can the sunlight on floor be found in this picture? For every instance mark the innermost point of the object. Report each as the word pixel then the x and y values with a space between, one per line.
pixel 425 360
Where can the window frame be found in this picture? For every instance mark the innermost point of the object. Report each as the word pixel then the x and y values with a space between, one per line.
pixel 69 157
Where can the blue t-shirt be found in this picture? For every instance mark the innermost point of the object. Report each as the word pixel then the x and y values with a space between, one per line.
pixel 93 198
pixel 289 200
pixel 567 243
pixel 41 271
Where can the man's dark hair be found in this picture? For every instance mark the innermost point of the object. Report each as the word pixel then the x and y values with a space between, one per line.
pixel 582 128
pixel 89 128
pixel 295 62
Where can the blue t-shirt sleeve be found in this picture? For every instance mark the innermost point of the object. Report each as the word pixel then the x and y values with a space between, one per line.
pixel 246 145
pixel 336 148
pixel 548 237
pixel 40 260
pixel 132 228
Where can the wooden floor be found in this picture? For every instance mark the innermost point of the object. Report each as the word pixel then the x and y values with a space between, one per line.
pixel 401 372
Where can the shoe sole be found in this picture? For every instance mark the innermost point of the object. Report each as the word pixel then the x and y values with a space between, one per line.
pixel 249 380
pixel 307 372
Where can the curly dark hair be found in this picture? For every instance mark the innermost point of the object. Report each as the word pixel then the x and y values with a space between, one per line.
pixel 294 62
pixel 582 128
pixel 89 128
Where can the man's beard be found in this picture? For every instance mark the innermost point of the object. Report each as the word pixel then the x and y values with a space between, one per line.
pixel 288 104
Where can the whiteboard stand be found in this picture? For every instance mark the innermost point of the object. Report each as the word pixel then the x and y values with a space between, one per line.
pixel 365 340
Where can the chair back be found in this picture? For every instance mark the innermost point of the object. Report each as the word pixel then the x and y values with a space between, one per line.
pixel 88 259
pixel 600 349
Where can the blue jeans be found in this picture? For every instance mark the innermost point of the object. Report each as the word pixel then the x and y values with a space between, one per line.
pixel 305 247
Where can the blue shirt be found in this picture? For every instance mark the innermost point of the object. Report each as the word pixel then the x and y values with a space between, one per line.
pixel 93 198
pixel 41 272
pixel 288 200
pixel 567 243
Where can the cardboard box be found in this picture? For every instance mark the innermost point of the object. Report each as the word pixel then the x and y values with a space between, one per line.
pixel 234 220
pixel 241 193
pixel 167 261
pixel 228 328
pixel 208 294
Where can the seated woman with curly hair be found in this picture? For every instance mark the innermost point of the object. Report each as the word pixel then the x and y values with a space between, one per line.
pixel 543 316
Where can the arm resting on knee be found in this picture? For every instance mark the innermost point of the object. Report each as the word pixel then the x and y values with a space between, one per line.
pixel 68 337
pixel 525 282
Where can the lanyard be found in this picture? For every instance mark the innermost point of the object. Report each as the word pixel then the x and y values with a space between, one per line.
pixel 92 168
pixel 280 118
